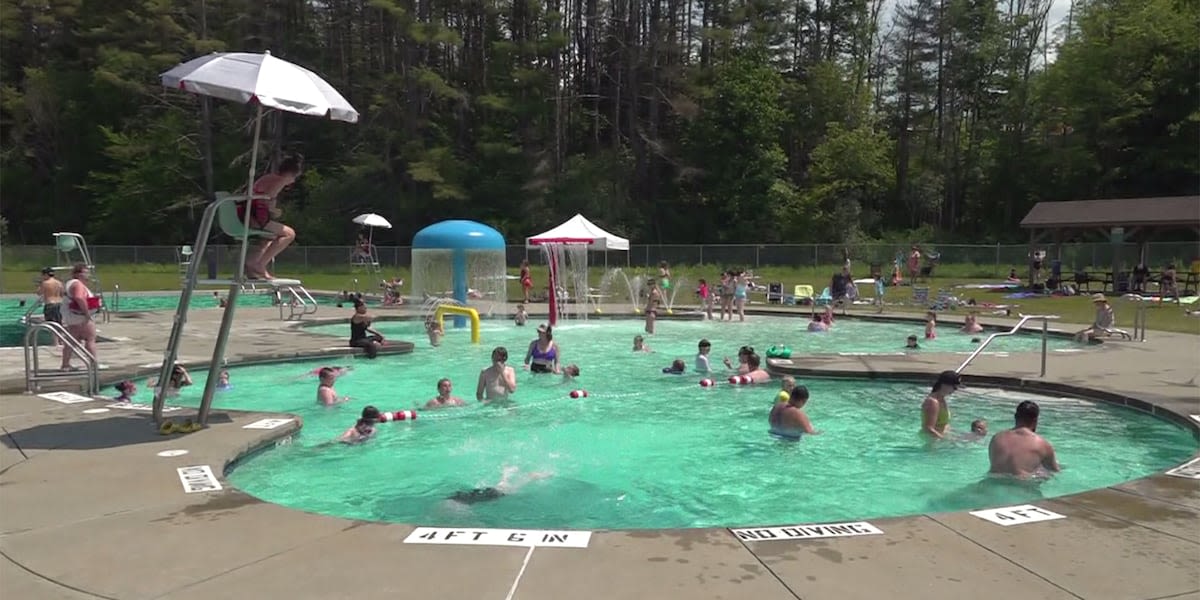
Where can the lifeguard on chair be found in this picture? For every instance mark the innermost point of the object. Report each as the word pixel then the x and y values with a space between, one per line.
pixel 263 212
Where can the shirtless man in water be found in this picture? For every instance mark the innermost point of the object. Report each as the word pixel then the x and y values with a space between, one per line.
pixel 497 381
pixel 445 396
pixel 1020 451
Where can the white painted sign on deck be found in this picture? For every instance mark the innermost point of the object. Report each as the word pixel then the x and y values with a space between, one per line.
pixel 1188 470
pixel 806 532
pixel 141 407
pixel 171 453
pixel 198 478
pixel 1195 418
pixel 65 397
pixel 500 537
pixel 1016 515
pixel 267 424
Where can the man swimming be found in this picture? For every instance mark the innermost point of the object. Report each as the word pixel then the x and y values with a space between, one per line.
pixel 788 420
pixel 1020 451
pixel 501 489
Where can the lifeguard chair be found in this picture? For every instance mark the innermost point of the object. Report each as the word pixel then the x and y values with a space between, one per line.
pixel 364 255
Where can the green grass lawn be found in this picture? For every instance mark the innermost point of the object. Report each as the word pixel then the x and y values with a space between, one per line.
pixel 1168 317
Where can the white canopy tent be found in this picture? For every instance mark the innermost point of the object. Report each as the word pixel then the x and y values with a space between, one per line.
pixel 566 248
pixel 579 230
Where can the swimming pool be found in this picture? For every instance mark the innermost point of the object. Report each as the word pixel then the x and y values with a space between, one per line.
pixel 647 450
pixel 12 332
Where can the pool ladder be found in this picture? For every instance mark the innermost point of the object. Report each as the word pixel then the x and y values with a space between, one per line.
pixel 300 303
pixel 34 374
pixel 1045 319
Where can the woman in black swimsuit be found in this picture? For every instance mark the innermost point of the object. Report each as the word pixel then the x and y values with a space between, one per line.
pixel 361 333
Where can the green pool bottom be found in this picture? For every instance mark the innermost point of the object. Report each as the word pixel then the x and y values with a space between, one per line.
pixel 647 450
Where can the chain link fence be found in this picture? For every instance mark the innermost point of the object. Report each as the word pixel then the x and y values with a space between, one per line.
pixel 992 260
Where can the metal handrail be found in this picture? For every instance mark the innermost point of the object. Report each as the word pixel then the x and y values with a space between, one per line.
pixel 116 307
pixel 32 309
pixel 1139 317
pixel 32 367
pixel 1015 329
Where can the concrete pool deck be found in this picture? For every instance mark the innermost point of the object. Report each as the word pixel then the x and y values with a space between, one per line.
pixel 88 509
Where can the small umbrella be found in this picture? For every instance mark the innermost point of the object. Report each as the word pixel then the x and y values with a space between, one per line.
pixel 372 220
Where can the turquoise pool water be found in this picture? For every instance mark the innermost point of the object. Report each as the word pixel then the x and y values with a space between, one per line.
pixel 647 450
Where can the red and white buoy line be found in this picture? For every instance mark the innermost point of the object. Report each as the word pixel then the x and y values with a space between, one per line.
pixel 574 394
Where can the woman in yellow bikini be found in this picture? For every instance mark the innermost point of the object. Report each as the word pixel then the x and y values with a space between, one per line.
pixel 935 413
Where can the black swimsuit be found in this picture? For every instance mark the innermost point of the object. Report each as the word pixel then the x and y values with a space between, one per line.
pixel 360 338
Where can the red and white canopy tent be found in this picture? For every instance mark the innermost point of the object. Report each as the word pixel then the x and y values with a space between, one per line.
pixel 576 231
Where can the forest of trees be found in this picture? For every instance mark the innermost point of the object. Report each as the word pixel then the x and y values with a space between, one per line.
pixel 670 121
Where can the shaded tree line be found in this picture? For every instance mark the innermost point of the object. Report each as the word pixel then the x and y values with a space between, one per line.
pixel 671 121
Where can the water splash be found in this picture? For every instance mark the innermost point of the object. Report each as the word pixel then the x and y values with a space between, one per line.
pixel 633 287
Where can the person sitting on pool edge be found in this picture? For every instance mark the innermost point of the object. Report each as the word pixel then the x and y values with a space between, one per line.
pixel 935 413
pixel 1020 452
pixel 362 335
pixel 788 420
pixel 363 429
pixel 326 395
pixel 677 367
pixel 444 398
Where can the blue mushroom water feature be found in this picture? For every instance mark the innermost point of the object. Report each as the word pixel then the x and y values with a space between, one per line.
pixel 463 250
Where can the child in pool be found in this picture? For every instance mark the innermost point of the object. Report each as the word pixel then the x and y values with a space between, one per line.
pixel 979 430
pixel 787 384
pixel 128 389
pixel 570 372
pixel 930 325
pixel 363 429
pixel 911 343
pixel 639 344
pixel 223 381
pixel 677 367
pixel 435 331
pixel 326 395
pixel 521 317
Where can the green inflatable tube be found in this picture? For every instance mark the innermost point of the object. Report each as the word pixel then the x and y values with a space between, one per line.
pixel 779 352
